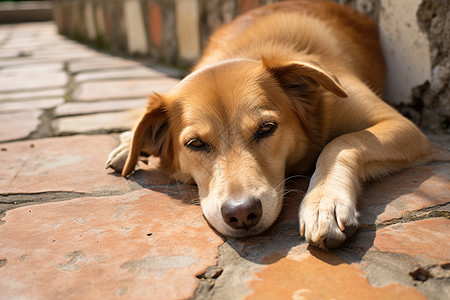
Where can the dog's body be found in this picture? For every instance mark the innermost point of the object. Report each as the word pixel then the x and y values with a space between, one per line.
pixel 277 91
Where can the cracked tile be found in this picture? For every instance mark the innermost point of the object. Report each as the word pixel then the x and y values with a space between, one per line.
pixel 138 245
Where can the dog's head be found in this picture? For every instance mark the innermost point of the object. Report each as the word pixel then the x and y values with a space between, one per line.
pixel 235 128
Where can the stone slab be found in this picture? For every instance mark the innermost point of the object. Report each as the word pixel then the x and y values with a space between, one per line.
pixel 47 93
pixel 139 245
pixel 30 105
pixel 97 123
pixel 99 62
pixel 134 26
pixel 124 73
pixel 18 125
pixel 81 108
pixel 428 238
pixel 116 89
pixel 31 81
pixel 32 69
pixel 69 164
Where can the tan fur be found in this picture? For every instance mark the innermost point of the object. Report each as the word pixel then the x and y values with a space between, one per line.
pixel 314 69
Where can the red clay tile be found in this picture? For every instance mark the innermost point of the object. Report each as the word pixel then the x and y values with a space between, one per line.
pixel 320 275
pixel 406 191
pixel 429 238
pixel 72 164
pixel 142 245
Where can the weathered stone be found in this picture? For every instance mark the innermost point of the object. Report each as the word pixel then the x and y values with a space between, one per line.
pixel 100 62
pixel 124 73
pixel 406 49
pixel 91 30
pixel 30 105
pixel 23 82
pixel 427 238
pixel 50 93
pixel 139 245
pixel 134 23
pixel 188 25
pixel 80 108
pixel 70 164
pixel 18 125
pixel 97 123
pixel 32 69
pixel 112 89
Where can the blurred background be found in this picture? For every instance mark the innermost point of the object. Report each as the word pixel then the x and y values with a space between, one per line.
pixel 415 36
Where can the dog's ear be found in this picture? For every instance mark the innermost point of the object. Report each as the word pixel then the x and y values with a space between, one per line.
pixel 303 76
pixel 150 134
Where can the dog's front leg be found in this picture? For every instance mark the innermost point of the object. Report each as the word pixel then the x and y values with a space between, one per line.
pixel 116 159
pixel 328 212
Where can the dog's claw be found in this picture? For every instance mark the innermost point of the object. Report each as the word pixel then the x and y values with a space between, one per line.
pixel 341 224
pixel 302 229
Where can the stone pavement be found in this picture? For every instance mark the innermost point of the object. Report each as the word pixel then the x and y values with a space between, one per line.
pixel 72 230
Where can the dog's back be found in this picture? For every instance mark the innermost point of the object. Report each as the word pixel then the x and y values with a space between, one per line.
pixel 334 35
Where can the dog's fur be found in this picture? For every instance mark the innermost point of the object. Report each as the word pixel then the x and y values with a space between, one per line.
pixel 277 91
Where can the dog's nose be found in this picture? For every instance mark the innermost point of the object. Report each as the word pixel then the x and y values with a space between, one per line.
pixel 242 214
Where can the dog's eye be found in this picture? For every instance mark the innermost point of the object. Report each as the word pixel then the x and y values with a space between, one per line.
pixel 265 130
pixel 197 145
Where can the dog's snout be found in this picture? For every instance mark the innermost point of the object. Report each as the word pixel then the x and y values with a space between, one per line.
pixel 242 214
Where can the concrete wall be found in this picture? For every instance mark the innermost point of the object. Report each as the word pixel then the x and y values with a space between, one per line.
pixel 415 36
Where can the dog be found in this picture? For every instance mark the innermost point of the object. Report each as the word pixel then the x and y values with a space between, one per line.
pixel 281 90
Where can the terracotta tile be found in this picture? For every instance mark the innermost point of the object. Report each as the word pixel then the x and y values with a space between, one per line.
pixel 139 245
pixel 114 89
pixel 320 275
pixel 18 125
pixel 429 238
pixel 409 190
pixel 71 164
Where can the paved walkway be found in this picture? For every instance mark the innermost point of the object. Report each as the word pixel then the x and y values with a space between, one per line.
pixel 72 230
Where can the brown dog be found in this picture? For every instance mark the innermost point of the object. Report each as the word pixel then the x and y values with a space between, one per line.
pixel 277 91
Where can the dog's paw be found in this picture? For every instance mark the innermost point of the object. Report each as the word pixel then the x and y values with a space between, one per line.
pixel 117 158
pixel 327 220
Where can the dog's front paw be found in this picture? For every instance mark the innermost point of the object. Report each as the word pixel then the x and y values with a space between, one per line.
pixel 117 158
pixel 327 219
